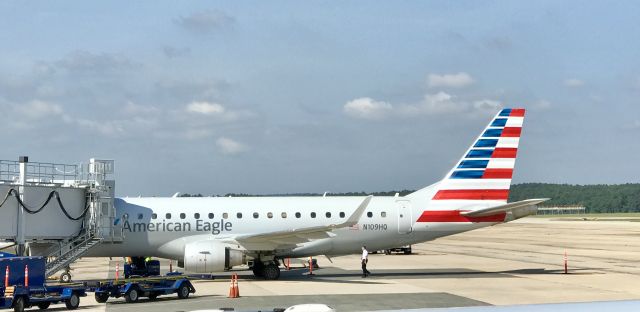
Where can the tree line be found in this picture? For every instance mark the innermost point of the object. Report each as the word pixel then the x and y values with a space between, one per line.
pixel 595 198
pixel 598 198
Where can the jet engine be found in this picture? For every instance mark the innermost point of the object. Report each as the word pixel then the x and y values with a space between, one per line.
pixel 211 256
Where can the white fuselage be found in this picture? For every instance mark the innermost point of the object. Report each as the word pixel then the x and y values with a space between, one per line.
pixel 163 226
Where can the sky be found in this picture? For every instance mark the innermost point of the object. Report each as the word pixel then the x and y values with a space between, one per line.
pixel 260 97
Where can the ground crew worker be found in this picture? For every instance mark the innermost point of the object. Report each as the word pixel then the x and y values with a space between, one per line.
pixel 364 260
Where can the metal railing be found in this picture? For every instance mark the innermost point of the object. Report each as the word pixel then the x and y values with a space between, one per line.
pixel 37 172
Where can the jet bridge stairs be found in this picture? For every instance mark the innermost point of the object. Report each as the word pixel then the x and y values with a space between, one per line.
pixel 57 211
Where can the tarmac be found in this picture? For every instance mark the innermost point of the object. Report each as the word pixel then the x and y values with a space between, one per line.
pixel 521 262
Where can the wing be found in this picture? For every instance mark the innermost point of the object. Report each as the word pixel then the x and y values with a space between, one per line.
pixel 503 208
pixel 292 237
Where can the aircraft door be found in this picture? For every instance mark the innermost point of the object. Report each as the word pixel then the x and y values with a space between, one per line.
pixel 405 218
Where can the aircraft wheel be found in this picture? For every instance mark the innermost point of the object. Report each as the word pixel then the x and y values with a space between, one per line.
pixel 65 277
pixel 271 272
pixel 258 269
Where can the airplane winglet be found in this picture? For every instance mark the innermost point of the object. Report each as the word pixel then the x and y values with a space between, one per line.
pixel 355 217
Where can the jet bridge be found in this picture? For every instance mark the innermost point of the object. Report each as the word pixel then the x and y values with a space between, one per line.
pixel 56 210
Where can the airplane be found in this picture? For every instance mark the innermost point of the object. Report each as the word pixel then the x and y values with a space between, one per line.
pixel 213 234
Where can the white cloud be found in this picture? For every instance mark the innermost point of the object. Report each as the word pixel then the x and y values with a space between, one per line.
pixel 37 109
pixel 205 21
pixel 573 83
pixel 490 105
pixel 458 80
pixel 105 127
pixel 440 103
pixel 635 124
pixel 367 108
pixel 206 108
pixel 229 146
pixel 434 104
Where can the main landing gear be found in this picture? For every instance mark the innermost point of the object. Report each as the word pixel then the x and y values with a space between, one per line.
pixel 269 270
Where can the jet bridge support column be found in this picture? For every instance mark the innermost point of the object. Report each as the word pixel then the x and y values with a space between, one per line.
pixel 20 240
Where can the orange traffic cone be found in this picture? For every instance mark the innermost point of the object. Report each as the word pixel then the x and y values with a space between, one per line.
pixel 232 288
pixel 237 286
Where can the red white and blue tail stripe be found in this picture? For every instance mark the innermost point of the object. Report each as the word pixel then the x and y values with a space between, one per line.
pixel 483 175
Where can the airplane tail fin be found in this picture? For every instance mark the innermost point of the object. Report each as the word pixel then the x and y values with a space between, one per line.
pixel 482 177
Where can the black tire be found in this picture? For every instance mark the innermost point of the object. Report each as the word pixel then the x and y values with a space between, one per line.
pixel 271 272
pixel 73 302
pixel 407 251
pixel 258 268
pixel 101 297
pixel 18 304
pixel 387 251
pixel 153 296
pixel 43 305
pixel 65 277
pixel 184 291
pixel 132 295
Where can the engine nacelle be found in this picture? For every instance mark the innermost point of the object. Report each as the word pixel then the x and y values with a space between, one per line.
pixel 211 256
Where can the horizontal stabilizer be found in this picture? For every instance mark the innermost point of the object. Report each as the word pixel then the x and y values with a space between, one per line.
pixel 503 208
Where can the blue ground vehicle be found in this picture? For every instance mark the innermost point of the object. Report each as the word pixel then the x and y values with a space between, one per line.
pixel 151 288
pixel 16 294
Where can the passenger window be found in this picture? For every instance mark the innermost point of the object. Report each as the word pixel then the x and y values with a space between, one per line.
pixel 255 215
pixel 328 214
pixel 298 215
pixel 369 214
pixel 154 216
pixel 313 214
pixel 269 215
pixel 225 215
pixel 341 214
pixel 182 215
pixel 283 215
pixel 210 215
pixel 239 215
pixel 383 214
pixel 139 216
pixel 125 216
pixel 168 216
pixel 196 215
